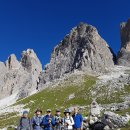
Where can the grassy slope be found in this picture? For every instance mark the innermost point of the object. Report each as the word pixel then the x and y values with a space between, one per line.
pixel 58 98
pixel 106 96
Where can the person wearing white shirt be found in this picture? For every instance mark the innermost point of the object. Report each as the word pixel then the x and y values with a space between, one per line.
pixel 68 121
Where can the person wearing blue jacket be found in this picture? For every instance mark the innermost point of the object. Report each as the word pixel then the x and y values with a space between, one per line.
pixel 78 120
pixel 48 121
pixel 37 120
pixel 58 120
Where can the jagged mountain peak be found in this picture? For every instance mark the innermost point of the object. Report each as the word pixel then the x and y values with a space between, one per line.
pixel 82 49
pixel 12 62
pixel 30 61
pixel 29 52
pixel 20 77
pixel 124 53
pixel 81 29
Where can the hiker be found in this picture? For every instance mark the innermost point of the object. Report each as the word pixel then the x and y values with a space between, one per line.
pixel 24 122
pixel 37 120
pixel 68 121
pixel 58 120
pixel 107 122
pixel 48 121
pixel 78 120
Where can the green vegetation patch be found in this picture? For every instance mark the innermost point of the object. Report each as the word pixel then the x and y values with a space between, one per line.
pixel 57 97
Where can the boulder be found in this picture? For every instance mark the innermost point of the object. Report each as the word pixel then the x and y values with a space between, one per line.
pixel 118 120
pixel 95 108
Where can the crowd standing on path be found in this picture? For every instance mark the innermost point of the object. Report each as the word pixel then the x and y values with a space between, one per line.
pixel 69 121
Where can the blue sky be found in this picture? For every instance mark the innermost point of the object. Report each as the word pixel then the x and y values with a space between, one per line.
pixel 41 24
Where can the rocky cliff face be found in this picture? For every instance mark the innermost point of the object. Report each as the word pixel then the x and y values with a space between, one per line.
pixel 82 49
pixel 20 77
pixel 124 53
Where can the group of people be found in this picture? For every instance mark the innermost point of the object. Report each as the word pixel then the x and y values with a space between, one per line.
pixel 50 122
pixel 70 121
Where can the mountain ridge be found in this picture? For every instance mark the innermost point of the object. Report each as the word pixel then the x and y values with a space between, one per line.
pixel 83 49
pixel 82 68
